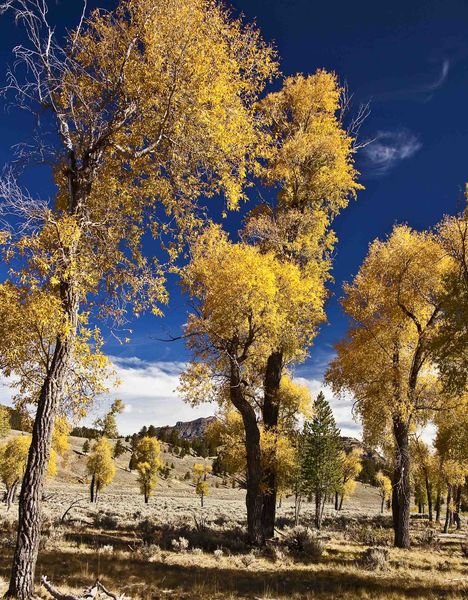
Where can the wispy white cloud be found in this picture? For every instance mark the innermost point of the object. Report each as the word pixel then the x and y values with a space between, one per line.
pixel 149 392
pixel 390 148
pixel 440 80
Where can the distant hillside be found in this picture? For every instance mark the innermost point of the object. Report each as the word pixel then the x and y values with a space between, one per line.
pixel 188 430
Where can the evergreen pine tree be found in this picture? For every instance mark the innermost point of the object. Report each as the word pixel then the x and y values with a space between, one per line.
pixel 321 467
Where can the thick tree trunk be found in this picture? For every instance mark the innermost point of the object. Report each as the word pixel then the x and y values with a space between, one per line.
pixel 254 496
pixel 29 517
pixel 401 492
pixel 337 501
pixel 448 513
pixel 429 497
pixel 270 414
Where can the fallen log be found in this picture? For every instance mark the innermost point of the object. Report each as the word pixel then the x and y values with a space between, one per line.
pixel 90 593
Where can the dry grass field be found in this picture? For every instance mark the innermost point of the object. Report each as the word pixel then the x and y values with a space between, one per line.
pixel 174 549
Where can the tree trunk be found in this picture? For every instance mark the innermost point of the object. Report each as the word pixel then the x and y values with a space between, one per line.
pixel 201 500
pixel 456 514
pixel 30 502
pixel 29 517
pixel 318 510
pixel 91 489
pixel 382 504
pixel 429 498
pixel 341 503
pixel 401 491
pixel 254 496
pixel 448 509
pixel 10 494
pixel 270 413
pixel 438 503
pixel 337 501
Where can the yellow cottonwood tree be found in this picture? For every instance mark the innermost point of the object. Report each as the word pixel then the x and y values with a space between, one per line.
pixel 13 457
pixel 351 466
pixel 386 362
pixel 152 106
pixel 384 484
pixel 100 466
pixel 4 421
pixel 148 464
pixel 311 166
pixel 242 299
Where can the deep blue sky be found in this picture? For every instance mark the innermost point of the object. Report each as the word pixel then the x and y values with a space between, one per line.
pixel 409 59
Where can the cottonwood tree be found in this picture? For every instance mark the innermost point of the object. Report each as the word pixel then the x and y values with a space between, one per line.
pixel 384 485
pixel 13 457
pixel 312 169
pixel 395 303
pixel 242 298
pixel 150 106
pixel 4 421
pixel 100 466
pixel 321 459
pixel 351 467
pixel 108 424
pixel 451 341
pixel 200 473
pixel 451 443
pixel 425 471
pixel 148 464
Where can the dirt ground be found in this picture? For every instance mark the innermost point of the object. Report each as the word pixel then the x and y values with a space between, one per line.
pixel 174 549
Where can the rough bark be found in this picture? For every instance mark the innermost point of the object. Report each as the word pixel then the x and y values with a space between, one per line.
pixel 270 415
pixel 254 496
pixel 401 491
pixel 29 517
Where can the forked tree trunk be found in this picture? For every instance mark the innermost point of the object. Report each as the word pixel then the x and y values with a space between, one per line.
pixel 29 517
pixel 270 415
pixel 401 491
pixel 254 496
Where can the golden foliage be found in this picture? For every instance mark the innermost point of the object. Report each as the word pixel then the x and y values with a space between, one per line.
pixel 100 464
pixel 394 304
pixel 148 464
